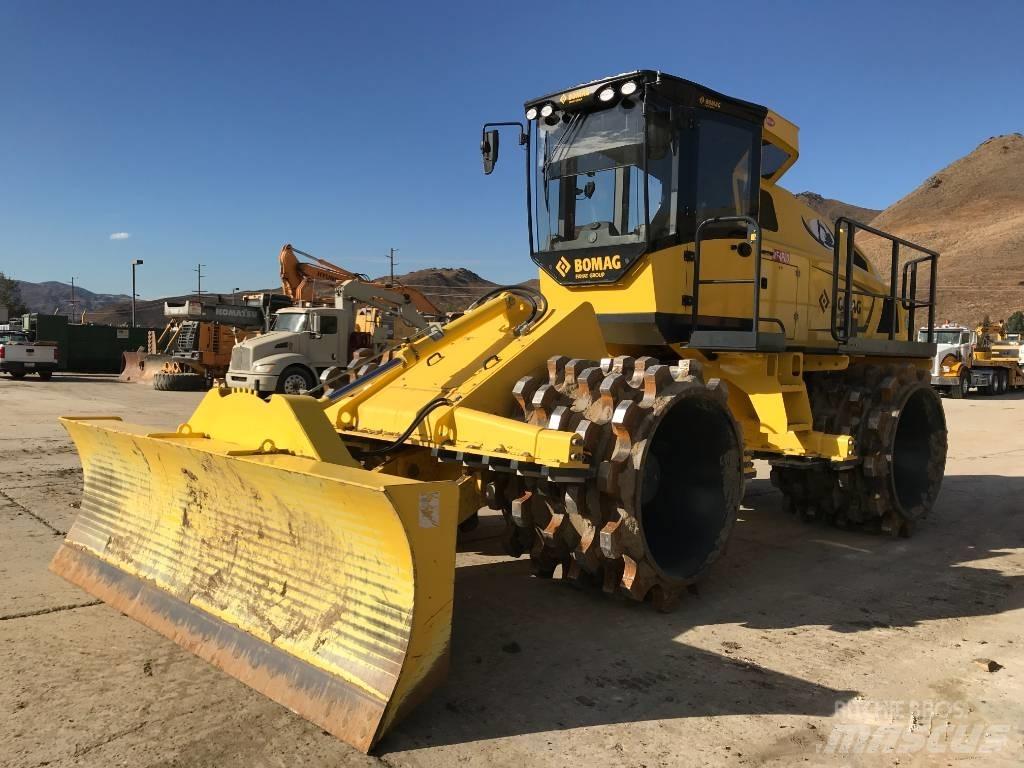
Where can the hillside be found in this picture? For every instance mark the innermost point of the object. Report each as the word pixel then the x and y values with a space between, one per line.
pixel 972 213
pixel 54 297
pixel 833 209
pixel 450 288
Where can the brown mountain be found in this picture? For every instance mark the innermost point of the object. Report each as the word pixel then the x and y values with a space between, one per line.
pixel 54 298
pixel 972 213
pixel 833 209
pixel 450 288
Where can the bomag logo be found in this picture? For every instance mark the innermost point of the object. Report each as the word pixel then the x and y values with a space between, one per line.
pixel 709 103
pixel 592 268
pixel 573 96
pixel 597 263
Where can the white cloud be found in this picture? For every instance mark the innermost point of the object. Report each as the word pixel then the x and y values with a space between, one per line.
pixel 120 235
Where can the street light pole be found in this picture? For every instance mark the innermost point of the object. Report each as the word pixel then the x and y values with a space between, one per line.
pixel 135 263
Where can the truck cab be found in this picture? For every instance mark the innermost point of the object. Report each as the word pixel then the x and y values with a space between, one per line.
pixel 954 356
pixel 305 341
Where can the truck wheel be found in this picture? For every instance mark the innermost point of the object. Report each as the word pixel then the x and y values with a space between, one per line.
pixel 1004 382
pixel 959 390
pixel 179 382
pixel 992 387
pixel 294 381
pixel 45 375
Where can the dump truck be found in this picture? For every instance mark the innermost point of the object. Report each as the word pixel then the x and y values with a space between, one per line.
pixel 985 358
pixel 305 341
pixel 692 316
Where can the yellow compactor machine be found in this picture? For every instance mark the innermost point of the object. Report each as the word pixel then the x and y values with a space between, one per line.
pixel 692 316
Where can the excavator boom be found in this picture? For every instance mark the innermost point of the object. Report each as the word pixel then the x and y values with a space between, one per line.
pixel 314 282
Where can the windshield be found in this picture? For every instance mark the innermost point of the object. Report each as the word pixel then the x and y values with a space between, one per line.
pixel 10 337
pixel 289 321
pixel 943 337
pixel 590 178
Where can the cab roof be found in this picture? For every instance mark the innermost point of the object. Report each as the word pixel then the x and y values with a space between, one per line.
pixel 776 130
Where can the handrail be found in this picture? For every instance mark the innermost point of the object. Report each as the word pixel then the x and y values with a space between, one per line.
pixel 909 302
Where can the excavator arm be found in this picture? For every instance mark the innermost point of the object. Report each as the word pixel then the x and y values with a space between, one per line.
pixel 299 280
pixel 384 299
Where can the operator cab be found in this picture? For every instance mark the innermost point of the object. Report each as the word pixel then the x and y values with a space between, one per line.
pixel 633 163
pixel 948 335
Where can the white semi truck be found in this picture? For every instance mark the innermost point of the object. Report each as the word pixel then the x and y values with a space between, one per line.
pixel 984 359
pixel 305 341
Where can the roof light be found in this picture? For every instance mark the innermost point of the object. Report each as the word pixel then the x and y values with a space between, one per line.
pixel 628 88
pixel 546 110
pixel 531 113
pixel 607 94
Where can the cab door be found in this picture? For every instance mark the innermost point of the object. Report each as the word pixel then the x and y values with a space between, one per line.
pixel 725 163
pixel 324 339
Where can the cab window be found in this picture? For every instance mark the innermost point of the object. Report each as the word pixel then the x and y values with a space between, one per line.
pixel 727 170
pixel 328 324
pixel 772 159
pixel 766 216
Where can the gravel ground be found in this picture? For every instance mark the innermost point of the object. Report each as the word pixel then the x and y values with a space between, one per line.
pixel 807 646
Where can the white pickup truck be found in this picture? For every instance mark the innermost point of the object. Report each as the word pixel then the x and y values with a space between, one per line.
pixel 19 357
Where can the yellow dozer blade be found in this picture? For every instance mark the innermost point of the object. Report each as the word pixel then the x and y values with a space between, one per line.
pixel 272 555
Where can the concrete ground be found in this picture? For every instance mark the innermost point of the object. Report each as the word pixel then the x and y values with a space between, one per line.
pixel 807 646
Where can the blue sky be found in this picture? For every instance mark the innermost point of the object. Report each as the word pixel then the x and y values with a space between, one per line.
pixel 214 132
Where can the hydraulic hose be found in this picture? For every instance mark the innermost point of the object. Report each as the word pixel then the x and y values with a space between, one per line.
pixel 417 420
pixel 536 299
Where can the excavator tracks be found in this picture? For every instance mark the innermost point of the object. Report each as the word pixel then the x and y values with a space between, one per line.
pixel 900 433
pixel 667 481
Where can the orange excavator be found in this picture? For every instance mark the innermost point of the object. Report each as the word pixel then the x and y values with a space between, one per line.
pixel 314 281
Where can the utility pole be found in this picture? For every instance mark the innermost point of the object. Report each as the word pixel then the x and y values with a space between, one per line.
pixel 199 279
pixel 391 259
pixel 135 263
pixel 234 295
pixel 73 303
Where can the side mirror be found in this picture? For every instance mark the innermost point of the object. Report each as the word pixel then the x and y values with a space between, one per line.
pixel 489 150
pixel 314 325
